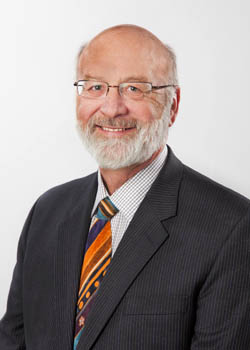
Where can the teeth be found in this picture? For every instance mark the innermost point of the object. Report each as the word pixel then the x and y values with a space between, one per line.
pixel 108 129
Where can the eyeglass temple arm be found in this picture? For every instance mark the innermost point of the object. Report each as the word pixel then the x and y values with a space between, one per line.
pixel 163 86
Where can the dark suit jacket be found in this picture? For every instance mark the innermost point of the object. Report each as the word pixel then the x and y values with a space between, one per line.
pixel 180 278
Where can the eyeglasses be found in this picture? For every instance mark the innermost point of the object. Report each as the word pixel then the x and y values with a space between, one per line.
pixel 99 89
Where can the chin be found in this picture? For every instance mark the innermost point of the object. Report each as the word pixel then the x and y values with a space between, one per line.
pixel 120 156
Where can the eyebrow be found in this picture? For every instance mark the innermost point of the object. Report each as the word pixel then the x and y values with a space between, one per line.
pixel 126 79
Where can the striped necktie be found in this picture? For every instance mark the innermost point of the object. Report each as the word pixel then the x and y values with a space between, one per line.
pixel 96 260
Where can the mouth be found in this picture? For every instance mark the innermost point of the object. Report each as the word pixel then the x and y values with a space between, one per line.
pixel 113 130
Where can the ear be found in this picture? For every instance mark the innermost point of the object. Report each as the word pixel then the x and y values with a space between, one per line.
pixel 175 106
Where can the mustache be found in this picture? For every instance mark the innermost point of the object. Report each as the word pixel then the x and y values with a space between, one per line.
pixel 114 122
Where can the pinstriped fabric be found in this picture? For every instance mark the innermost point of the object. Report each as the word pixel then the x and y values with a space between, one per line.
pixel 96 260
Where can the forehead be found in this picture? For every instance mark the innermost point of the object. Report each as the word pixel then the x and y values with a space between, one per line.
pixel 115 57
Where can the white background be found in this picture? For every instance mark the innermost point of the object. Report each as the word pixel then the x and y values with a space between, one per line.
pixel 39 145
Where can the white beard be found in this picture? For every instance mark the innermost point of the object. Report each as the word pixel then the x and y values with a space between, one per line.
pixel 120 152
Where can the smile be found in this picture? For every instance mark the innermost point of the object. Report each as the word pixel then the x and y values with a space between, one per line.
pixel 115 130
pixel 112 130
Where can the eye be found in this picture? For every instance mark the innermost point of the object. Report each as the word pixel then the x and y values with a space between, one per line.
pixel 132 88
pixel 96 87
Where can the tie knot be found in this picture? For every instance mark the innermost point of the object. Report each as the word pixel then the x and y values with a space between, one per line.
pixel 106 209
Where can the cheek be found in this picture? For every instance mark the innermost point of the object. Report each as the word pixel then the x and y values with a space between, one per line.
pixel 157 106
pixel 148 110
pixel 146 113
pixel 85 109
pixel 140 112
pixel 157 111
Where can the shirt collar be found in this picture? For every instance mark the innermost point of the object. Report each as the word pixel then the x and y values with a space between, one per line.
pixel 129 196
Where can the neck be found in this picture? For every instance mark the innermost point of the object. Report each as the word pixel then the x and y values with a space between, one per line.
pixel 115 178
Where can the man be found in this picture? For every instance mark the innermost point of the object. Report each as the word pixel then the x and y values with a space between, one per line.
pixel 175 272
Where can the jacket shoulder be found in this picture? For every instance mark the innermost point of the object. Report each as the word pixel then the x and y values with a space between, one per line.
pixel 64 197
pixel 212 196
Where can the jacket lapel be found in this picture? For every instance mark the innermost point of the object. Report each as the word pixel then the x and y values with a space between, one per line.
pixel 71 237
pixel 144 236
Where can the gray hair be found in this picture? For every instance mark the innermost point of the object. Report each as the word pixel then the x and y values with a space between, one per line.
pixel 83 46
pixel 173 76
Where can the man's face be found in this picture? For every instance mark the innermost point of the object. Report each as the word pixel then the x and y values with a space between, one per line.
pixel 119 131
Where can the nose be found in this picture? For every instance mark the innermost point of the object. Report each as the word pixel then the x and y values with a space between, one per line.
pixel 113 104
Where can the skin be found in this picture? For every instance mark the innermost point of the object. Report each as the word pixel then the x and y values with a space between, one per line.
pixel 121 54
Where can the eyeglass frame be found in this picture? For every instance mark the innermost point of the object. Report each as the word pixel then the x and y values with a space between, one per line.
pixel 153 87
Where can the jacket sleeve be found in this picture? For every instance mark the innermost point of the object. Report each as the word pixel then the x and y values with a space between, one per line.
pixel 11 325
pixel 223 308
